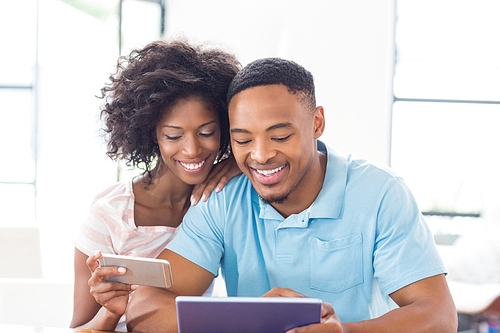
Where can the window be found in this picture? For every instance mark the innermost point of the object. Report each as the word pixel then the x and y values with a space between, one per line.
pixel 18 120
pixel 445 139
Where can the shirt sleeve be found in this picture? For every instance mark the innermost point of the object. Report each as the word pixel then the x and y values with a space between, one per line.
pixel 95 233
pixel 405 251
pixel 201 234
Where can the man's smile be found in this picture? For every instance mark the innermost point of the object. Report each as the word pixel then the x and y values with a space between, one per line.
pixel 269 176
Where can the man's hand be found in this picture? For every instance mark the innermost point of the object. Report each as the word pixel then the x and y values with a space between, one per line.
pixel 329 320
pixel 282 292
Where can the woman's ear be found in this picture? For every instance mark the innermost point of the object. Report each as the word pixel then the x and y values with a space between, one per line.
pixel 319 122
pixel 155 136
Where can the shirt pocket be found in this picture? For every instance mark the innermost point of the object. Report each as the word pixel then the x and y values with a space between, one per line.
pixel 336 265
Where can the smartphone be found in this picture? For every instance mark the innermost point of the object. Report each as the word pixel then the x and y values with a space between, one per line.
pixel 141 271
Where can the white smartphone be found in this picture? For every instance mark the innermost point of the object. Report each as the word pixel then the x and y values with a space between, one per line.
pixel 141 271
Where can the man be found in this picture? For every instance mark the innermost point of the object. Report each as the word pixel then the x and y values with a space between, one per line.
pixel 304 220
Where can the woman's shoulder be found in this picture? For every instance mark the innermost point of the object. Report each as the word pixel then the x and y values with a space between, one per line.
pixel 118 189
pixel 117 195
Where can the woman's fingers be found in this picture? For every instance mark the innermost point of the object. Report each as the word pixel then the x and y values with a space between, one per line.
pixel 106 286
pixel 92 261
pixel 99 276
pixel 218 177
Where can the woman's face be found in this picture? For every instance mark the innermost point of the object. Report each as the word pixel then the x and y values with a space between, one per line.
pixel 189 138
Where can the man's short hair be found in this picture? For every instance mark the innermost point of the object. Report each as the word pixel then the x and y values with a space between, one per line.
pixel 269 71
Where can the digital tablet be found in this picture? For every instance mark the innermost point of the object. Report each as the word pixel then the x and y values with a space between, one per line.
pixel 245 314
pixel 141 271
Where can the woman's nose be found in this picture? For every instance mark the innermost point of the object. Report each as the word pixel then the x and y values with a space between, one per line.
pixel 192 147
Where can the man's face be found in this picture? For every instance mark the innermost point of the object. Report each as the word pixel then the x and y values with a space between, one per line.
pixel 273 140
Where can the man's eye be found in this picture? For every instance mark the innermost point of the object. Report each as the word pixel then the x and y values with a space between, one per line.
pixel 242 142
pixel 282 139
pixel 173 138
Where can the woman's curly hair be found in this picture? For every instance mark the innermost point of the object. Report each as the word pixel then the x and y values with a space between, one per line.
pixel 147 84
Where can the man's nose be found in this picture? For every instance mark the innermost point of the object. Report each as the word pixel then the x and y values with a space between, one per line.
pixel 262 152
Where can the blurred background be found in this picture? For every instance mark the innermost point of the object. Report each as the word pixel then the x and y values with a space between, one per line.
pixel 411 84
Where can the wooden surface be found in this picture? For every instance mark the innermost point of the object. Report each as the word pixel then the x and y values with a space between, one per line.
pixel 39 329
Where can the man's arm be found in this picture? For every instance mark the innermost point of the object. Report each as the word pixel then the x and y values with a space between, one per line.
pixel 153 309
pixel 424 306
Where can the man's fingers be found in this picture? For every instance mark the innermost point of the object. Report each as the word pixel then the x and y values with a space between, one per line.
pixel 282 292
pixel 327 311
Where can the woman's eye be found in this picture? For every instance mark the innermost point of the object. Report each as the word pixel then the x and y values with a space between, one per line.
pixel 207 135
pixel 283 139
pixel 173 138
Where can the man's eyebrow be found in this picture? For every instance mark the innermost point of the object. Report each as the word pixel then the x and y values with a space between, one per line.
pixel 239 130
pixel 271 128
pixel 280 125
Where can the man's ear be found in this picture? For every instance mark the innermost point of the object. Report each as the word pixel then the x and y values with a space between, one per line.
pixel 319 122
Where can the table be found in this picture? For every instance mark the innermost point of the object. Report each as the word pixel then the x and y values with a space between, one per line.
pixel 38 329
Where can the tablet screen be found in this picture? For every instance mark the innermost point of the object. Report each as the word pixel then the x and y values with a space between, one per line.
pixel 245 314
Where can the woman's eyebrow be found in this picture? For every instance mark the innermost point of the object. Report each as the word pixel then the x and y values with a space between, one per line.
pixel 208 123
pixel 177 127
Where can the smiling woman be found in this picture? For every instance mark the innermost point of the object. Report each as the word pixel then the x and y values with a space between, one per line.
pixel 188 137
pixel 166 112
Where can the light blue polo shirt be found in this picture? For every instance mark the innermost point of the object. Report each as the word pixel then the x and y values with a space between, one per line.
pixel 362 239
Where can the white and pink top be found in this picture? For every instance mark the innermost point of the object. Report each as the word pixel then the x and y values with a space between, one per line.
pixel 110 227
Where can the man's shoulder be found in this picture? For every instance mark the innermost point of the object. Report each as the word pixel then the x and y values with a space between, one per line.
pixel 238 185
pixel 238 190
pixel 370 168
pixel 345 168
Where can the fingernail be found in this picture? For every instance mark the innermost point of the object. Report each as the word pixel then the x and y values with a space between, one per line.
pixel 133 287
pixel 96 253
pixel 192 200
pixel 217 189
pixel 203 197
pixel 122 269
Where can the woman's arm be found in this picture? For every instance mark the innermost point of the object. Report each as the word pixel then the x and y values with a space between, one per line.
pixel 153 309
pixel 90 290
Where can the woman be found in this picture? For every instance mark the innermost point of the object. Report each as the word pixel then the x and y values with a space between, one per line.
pixel 166 112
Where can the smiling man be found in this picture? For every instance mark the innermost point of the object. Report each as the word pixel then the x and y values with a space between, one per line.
pixel 304 220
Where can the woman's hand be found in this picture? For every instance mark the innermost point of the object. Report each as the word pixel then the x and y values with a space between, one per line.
pixel 216 179
pixel 111 295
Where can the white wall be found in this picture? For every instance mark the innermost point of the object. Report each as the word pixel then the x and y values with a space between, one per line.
pixel 347 45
